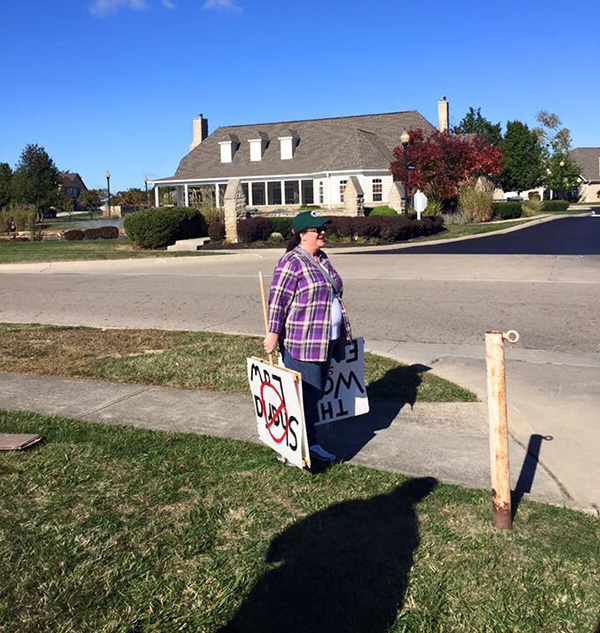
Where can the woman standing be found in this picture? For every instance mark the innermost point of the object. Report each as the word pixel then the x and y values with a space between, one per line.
pixel 307 316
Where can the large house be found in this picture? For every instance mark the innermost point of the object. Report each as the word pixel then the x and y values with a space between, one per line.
pixel 73 186
pixel 295 162
pixel 588 158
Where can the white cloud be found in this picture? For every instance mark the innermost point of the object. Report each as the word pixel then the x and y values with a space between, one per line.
pixel 102 8
pixel 167 4
pixel 223 5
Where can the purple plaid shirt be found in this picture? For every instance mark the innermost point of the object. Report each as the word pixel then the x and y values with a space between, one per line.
pixel 300 305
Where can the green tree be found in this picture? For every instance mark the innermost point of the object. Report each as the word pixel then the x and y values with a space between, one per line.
pixel 474 123
pixel 90 200
pixel 522 158
pixel 562 172
pixel 133 197
pixel 5 184
pixel 36 179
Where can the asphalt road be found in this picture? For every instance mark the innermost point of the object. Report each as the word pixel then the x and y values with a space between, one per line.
pixel 567 236
pixel 421 307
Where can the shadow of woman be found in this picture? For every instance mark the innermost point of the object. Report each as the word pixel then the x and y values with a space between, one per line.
pixel 387 396
pixel 345 568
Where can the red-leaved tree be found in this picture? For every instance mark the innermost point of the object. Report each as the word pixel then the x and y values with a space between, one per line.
pixel 442 161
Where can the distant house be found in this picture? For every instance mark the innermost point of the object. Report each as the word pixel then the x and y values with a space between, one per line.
pixel 588 158
pixel 291 163
pixel 73 186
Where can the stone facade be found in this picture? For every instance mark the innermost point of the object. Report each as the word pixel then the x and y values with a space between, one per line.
pixel 396 197
pixel 234 206
pixel 354 198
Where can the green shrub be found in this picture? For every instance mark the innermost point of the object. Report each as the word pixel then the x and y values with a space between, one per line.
pixel 475 203
pixel 552 206
pixel 507 210
pixel 433 208
pixel 383 211
pixel 283 226
pixel 73 235
pixel 531 207
pixel 156 228
pixel 276 237
pixel 210 212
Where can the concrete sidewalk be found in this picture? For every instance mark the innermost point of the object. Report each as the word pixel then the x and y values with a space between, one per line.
pixel 447 440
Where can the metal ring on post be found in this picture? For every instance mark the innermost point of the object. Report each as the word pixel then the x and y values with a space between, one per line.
pixel 512 336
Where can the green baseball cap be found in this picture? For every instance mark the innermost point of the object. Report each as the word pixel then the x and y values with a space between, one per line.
pixel 309 220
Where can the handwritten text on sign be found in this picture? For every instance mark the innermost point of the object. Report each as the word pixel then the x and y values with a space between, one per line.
pixel 278 406
pixel 345 393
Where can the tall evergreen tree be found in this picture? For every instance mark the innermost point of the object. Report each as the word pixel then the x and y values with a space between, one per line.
pixel 522 158
pixel 36 179
pixel 5 184
pixel 474 123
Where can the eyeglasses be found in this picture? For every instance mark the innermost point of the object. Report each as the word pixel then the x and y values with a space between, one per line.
pixel 321 230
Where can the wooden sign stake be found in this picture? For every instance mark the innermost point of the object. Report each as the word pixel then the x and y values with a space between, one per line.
pixel 499 462
pixel 264 308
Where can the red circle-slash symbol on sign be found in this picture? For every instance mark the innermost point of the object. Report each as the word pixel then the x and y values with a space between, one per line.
pixel 280 408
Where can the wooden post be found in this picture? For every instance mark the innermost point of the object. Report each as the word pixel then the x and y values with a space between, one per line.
pixel 499 462
pixel 264 308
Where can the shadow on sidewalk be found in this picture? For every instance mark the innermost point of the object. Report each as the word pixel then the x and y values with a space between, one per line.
pixel 345 568
pixel 387 397
pixel 528 469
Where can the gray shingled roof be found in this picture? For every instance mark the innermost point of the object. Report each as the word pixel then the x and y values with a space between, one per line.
pixel 70 179
pixel 344 143
pixel 588 158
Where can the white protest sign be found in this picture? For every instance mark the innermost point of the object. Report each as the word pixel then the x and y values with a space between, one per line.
pixel 419 203
pixel 345 393
pixel 277 397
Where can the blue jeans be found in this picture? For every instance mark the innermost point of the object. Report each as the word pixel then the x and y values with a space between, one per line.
pixel 314 381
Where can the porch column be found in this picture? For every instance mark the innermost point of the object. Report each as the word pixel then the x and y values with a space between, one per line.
pixel 156 196
pixel 186 195
pixel 250 201
pixel 217 201
pixel 300 197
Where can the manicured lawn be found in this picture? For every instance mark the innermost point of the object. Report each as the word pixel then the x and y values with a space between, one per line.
pixel 189 360
pixel 22 252
pixel 471 229
pixel 116 529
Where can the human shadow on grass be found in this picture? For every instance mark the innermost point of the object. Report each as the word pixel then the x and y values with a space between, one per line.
pixel 345 568
pixel 387 397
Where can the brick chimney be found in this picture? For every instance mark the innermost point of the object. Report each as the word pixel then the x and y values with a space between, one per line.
pixel 443 115
pixel 200 131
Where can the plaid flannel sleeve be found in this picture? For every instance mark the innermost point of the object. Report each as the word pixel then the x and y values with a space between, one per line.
pixel 282 293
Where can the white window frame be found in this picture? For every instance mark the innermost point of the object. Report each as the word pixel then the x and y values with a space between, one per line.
pixel 377 193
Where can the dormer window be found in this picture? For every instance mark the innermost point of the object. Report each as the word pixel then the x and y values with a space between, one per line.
pixel 258 146
pixel 287 145
pixel 228 148
pixel 226 153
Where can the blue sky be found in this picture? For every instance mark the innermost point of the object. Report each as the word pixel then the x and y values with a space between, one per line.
pixel 115 84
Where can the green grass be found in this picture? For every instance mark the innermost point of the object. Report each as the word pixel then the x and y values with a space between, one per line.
pixel 22 252
pixel 471 229
pixel 189 360
pixel 116 529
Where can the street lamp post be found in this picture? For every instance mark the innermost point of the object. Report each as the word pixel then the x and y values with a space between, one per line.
pixel 147 200
pixel 108 190
pixel 405 139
